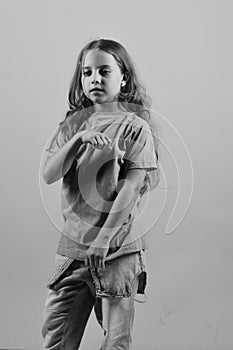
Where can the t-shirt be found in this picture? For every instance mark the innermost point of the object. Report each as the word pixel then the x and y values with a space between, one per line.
pixel 90 185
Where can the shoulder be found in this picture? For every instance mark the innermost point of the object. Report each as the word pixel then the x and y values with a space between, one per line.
pixel 137 127
pixel 138 122
pixel 72 123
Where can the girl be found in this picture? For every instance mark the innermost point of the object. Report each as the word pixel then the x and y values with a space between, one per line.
pixel 106 153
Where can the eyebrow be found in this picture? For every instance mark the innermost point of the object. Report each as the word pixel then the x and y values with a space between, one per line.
pixel 102 66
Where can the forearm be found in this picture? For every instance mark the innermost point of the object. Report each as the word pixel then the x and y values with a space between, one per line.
pixel 56 166
pixel 128 191
pixel 119 213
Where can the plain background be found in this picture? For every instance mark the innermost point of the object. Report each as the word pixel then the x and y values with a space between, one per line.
pixel 184 53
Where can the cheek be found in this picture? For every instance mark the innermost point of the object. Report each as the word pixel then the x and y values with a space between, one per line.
pixel 118 80
pixel 84 83
pixel 118 85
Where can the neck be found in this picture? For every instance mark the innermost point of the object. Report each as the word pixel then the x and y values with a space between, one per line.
pixel 108 107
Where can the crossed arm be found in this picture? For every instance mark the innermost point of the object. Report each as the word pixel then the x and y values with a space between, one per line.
pixel 56 166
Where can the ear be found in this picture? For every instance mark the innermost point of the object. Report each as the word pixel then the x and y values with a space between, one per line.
pixel 124 79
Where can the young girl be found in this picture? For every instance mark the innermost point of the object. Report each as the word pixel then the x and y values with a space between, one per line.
pixel 106 153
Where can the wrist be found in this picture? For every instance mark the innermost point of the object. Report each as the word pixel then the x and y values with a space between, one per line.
pixel 79 135
pixel 101 242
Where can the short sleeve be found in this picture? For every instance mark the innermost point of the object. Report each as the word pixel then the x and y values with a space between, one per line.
pixel 140 152
pixel 65 131
pixel 57 140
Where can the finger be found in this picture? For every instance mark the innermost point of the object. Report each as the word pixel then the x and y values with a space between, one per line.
pixel 99 140
pixel 103 136
pixel 103 263
pixel 105 139
pixel 100 265
pixel 109 142
pixel 93 141
pixel 106 143
pixel 92 261
pixel 96 261
pixel 102 146
pixel 86 261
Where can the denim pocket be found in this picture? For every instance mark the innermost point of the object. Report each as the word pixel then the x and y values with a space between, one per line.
pixel 62 263
pixel 119 276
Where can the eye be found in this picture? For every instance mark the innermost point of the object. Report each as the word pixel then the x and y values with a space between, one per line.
pixel 86 73
pixel 105 72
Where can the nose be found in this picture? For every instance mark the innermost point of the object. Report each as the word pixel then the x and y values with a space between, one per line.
pixel 96 78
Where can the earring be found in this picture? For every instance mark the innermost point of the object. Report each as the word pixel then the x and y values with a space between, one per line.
pixel 123 83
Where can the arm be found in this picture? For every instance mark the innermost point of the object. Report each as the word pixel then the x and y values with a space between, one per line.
pixel 121 209
pixel 56 166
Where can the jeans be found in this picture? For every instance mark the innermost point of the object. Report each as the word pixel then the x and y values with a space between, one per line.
pixel 74 290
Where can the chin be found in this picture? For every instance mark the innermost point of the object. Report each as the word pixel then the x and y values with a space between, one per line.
pixel 97 101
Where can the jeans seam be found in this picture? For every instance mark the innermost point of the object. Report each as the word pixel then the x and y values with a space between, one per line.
pixel 66 322
pixel 131 323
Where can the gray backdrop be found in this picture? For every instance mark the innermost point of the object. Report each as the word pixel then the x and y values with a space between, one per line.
pixel 184 53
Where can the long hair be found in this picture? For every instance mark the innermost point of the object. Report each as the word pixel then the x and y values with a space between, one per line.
pixel 132 96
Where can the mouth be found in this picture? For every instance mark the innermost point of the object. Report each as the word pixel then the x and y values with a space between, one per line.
pixel 96 90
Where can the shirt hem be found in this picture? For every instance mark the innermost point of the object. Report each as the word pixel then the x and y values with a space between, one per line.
pixel 78 251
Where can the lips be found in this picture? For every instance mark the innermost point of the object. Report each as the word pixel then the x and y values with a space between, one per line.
pixel 96 90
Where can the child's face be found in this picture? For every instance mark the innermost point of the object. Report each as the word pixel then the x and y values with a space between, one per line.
pixel 101 77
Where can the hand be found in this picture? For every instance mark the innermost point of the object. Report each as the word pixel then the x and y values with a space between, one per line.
pixel 95 138
pixel 95 257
